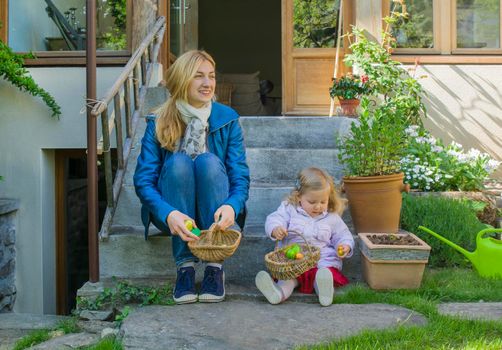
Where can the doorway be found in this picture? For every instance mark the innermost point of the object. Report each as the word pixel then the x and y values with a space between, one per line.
pixel 244 37
pixel 72 254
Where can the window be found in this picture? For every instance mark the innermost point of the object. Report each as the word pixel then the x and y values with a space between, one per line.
pixel 315 23
pixel 447 27
pixel 57 29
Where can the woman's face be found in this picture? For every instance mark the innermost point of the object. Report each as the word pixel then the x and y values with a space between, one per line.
pixel 201 88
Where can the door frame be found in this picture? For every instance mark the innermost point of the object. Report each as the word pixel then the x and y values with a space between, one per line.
pixel 61 186
pixel 308 62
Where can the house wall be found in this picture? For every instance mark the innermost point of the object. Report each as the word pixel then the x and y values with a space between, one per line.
pixel 28 137
pixel 243 37
pixel 464 102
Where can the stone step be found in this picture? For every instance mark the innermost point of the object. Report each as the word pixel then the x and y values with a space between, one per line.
pixel 276 131
pixel 273 165
pixel 128 255
pixel 263 200
pixel 294 132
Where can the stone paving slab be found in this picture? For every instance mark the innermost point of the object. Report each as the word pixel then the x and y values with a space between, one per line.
pixel 240 325
pixel 473 311
pixel 28 321
pixel 9 337
pixel 15 326
pixel 68 341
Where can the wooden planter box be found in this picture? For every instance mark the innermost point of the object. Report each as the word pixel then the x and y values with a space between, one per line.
pixel 393 266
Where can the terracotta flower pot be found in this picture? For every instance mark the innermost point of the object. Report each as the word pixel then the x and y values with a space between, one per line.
pixel 375 201
pixel 393 266
pixel 348 108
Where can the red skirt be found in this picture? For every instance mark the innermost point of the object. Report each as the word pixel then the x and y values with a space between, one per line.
pixel 307 279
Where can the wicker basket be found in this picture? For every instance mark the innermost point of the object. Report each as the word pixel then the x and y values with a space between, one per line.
pixel 283 268
pixel 215 245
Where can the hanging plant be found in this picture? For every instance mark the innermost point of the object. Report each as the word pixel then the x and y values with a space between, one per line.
pixel 12 69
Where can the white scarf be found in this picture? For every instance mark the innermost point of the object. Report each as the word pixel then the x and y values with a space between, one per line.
pixel 196 119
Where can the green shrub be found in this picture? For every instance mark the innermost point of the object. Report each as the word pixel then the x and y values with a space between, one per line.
pixel 450 218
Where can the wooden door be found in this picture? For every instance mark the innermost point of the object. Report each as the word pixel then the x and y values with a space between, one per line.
pixel 308 55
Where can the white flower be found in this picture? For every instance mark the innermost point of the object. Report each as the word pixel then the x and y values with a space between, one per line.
pixel 454 144
pixel 473 154
pixel 492 165
pixel 437 149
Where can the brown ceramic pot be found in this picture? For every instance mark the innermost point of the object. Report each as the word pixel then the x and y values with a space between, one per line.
pixel 375 201
pixel 348 108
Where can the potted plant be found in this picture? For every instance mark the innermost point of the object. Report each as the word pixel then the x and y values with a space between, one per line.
pixel 373 181
pixel 349 89
pixel 372 154
pixel 394 261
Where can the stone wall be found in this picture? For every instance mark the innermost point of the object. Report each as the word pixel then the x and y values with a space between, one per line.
pixel 8 208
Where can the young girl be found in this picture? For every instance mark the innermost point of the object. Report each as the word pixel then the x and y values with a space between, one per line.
pixel 313 208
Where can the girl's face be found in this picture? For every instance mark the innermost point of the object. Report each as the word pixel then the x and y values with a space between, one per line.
pixel 315 202
pixel 201 88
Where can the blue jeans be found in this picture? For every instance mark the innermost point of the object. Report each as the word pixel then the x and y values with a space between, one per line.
pixel 196 188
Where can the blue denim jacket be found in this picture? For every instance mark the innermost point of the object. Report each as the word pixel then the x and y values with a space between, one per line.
pixel 224 139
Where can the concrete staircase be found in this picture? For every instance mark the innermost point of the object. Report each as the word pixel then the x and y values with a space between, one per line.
pixel 277 148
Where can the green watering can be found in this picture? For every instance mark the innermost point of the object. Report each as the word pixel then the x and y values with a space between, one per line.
pixel 487 258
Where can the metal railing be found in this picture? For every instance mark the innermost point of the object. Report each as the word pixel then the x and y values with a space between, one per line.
pixel 137 72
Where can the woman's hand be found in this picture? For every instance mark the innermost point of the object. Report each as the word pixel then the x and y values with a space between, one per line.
pixel 343 250
pixel 279 233
pixel 176 223
pixel 224 216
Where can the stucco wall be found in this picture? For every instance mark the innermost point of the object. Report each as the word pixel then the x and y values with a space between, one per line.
pixel 28 137
pixel 464 104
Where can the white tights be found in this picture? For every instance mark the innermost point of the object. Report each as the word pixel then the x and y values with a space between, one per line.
pixel 288 286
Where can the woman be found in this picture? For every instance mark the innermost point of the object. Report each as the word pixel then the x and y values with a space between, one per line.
pixel 193 167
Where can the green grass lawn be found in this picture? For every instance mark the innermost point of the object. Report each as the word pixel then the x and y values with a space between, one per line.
pixel 441 332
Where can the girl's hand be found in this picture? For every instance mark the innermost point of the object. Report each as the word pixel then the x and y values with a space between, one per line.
pixel 224 216
pixel 176 223
pixel 279 233
pixel 342 250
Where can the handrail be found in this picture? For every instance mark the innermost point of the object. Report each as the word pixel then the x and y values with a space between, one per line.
pixel 139 70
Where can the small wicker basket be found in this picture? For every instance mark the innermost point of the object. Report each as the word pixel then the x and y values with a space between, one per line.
pixel 215 245
pixel 283 268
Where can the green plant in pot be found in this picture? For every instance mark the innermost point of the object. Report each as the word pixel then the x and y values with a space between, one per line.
pixel 348 89
pixel 371 154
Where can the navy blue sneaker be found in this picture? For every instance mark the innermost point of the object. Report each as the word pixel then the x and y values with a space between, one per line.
pixel 184 291
pixel 213 285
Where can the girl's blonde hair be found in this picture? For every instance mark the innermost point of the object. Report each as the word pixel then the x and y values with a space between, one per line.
pixel 170 127
pixel 315 179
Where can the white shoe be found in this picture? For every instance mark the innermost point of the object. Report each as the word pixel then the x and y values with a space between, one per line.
pixel 325 289
pixel 268 288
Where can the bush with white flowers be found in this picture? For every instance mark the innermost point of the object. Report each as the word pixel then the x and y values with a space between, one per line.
pixel 429 165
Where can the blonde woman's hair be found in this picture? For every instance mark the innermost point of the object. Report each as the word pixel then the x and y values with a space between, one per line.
pixel 170 127
pixel 315 179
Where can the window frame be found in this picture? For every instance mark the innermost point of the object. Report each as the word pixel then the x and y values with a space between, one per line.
pixel 436 30
pixel 71 58
pixel 445 49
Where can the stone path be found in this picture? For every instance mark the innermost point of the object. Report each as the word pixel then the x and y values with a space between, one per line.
pixel 473 311
pixel 244 324
pixel 237 324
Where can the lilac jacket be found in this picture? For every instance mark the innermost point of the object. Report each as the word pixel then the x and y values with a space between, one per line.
pixel 325 231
